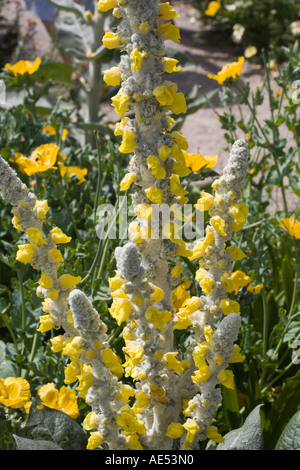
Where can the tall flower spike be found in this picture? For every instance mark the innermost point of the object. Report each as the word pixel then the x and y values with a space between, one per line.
pixel 106 395
pixel 41 251
pixel 143 285
pixel 213 350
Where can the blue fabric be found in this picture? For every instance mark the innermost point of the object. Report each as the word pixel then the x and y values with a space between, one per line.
pixel 44 10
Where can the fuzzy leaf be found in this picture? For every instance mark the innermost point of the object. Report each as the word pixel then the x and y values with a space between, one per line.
pixel 56 427
pixel 29 444
pixel 248 437
pixel 290 437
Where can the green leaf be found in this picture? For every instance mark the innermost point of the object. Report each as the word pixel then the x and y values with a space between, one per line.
pixel 231 407
pixel 284 407
pixel 59 72
pixel 69 5
pixel 56 427
pixel 290 437
pixel 288 281
pixel 248 437
pixel 74 34
pixel 29 444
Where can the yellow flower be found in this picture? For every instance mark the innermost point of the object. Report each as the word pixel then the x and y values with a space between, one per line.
pixel 170 64
pixel 237 356
pixel 69 171
pixel 239 279
pixel 213 8
pixel 206 284
pixel 227 379
pixel 175 186
pixel 111 40
pixel 55 255
pixel 232 70
pixel 202 374
pixel 46 281
pixel 72 371
pixel 179 104
pixel 120 126
pixel 213 434
pixel 175 430
pixel 205 202
pixel 41 208
pixel 169 31
pixel 139 234
pixel 235 253
pixel 195 161
pixel 128 421
pixel 112 361
pixel 112 76
pixel 14 392
pixel 165 93
pixel 170 360
pixel 154 164
pixel 72 347
pixel 105 5
pixel 157 318
pixel 69 281
pixel 133 442
pixel 57 343
pixel 24 66
pixel 292 226
pixel 192 428
pixel 51 131
pixel 127 181
pixel 154 195
pixel 255 289
pixel 63 400
pixel 120 101
pixel 95 440
pixel 219 225
pixel 90 422
pixel 157 294
pixel 239 212
pixel 167 12
pixel 25 253
pixel 36 236
pixel 120 309
pixel 46 324
pixel 137 59
pixel 42 159
pixel 229 306
pixel 58 236
pixel 128 143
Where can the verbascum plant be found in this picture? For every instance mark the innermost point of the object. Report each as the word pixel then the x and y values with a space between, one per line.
pixel 147 267
pixel 160 396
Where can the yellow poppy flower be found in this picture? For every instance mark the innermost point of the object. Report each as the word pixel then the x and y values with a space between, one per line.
pixel 69 171
pixel 292 226
pixel 14 392
pixel 63 400
pixel 195 161
pixel 51 131
pixel 232 70
pixel 111 40
pixel 41 159
pixel 105 5
pixel 213 8
pixel 24 66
